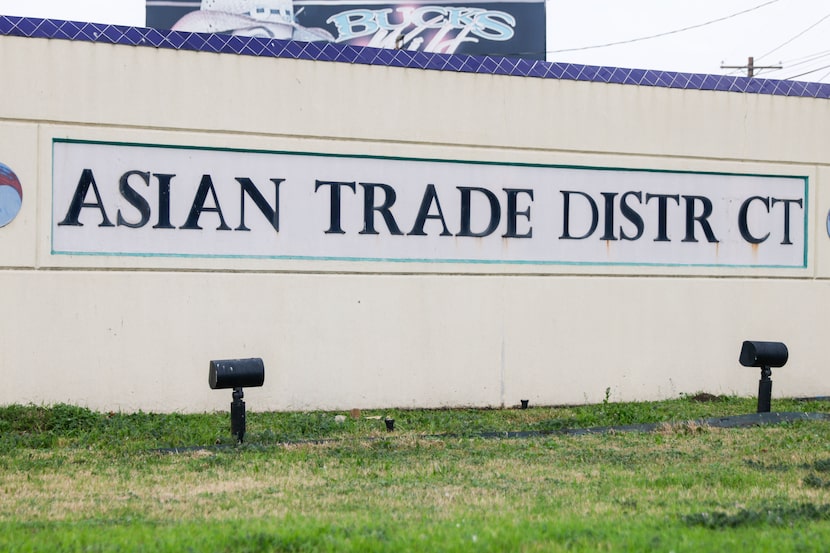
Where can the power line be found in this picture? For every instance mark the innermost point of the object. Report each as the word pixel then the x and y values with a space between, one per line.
pixel 793 38
pixel 803 60
pixel 807 59
pixel 807 73
pixel 659 35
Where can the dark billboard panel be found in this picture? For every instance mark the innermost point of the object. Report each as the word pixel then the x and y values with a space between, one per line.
pixel 479 27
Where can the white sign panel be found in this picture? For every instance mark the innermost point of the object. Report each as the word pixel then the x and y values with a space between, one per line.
pixel 133 199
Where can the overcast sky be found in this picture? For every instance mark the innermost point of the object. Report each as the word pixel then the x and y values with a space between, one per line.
pixel 695 36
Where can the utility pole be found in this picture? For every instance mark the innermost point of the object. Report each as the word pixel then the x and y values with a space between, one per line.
pixel 750 67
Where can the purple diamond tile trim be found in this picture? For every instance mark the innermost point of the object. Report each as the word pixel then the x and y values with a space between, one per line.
pixel 663 79
pixel 812 89
pixel 258 47
pixel 437 63
pixel 787 88
pixel 604 74
pixel 310 51
pixel 28 26
pixel 116 35
pixel 774 88
pixel 365 56
pixel 498 66
pixel 226 48
pixel 431 61
pixel 195 42
pixel 695 81
pixel 48 29
pixel 402 58
pixel 75 30
pixel 214 43
pixel 245 47
pixel 393 57
pixel 512 64
pixel 293 50
pixel 536 70
pixel 709 82
pixel 723 83
pixel 418 60
pixel 753 86
pixel 619 75
pixel 175 40
pixel 279 48
pixel 650 78
pixel 421 59
pixel 678 80
pixel 771 87
pixel 455 63
pixel 555 70
pixel 154 37
pixel 544 70
pixel 368 56
pixel 385 57
pixel 133 35
pixel 488 65
pixel 97 30
pixel 731 85
pixel 586 73
pixel 637 75
pixel 523 66
pixel 504 66
pixel 341 53
pixel 570 72
pixel 328 52
pixel 348 54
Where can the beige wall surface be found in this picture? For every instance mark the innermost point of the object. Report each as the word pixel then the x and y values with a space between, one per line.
pixel 137 332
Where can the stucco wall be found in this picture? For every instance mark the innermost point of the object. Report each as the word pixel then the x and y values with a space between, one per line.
pixel 137 332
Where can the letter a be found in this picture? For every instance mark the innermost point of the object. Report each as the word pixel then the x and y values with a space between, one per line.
pixel 78 203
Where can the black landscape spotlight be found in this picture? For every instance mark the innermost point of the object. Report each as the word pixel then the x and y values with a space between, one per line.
pixel 236 374
pixel 764 355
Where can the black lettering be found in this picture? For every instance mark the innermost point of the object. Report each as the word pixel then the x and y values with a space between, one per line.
pixel 701 219
pixel 246 186
pixel 566 215
pixel 198 206
pixel 513 213
pixel 134 198
pixel 429 198
pixel 662 214
pixel 631 215
pixel 369 208
pixel 164 201
pixel 78 202
pixel 786 241
pixel 743 225
pixel 334 210
pixel 609 216
pixel 466 211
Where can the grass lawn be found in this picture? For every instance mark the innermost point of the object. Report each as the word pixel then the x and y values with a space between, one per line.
pixel 75 480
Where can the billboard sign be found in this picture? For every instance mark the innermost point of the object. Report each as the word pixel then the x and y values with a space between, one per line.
pixel 164 200
pixel 514 28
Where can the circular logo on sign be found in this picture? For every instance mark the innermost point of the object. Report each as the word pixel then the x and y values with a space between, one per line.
pixel 11 195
